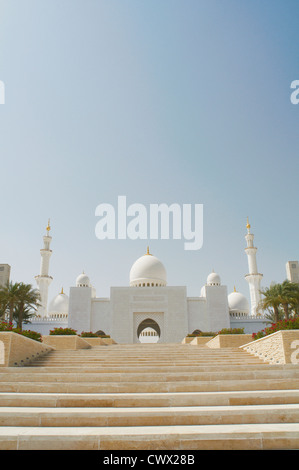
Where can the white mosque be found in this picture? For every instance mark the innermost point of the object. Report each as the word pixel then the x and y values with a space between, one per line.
pixel 149 310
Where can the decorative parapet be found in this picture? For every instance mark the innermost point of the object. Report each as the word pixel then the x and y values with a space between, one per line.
pixel 253 318
pixel 55 317
pixel 281 347
pixel 17 350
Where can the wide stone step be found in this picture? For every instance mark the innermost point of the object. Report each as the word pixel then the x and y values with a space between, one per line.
pixel 150 377
pixel 137 362
pixel 258 397
pixel 150 387
pixel 146 367
pixel 173 363
pixel 154 416
pixel 147 359
pixel 144 355
pixel 195 352
pixel 281 436
pixel 82 369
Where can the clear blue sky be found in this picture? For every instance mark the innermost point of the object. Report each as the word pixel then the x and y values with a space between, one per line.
pixel 161 101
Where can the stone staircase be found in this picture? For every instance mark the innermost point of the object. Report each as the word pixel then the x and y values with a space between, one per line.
pixel 149 397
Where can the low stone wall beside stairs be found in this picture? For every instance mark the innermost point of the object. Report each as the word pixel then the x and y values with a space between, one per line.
pixel 17 350
pixel 201 340
pixel 66 342
pixel 219 341
pixel 228 341
pixel 281 347
pixel 99 341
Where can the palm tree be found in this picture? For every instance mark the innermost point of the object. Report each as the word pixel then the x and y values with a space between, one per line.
pixel 289 296
pixel 9 297
pixel 28 300
pixel 292 289
pixel 272 299
pixel 18 299
pixel 270 316
pixel 27 314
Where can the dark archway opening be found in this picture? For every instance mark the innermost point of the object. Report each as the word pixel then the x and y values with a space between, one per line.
pixel 148 331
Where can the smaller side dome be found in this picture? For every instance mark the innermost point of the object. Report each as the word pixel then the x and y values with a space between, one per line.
pixel 83 280
pixel 213 279
pixel 203 291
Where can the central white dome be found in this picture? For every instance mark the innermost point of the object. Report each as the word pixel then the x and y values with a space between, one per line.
pixel 147 271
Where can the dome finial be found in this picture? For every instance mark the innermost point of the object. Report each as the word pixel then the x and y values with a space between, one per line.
pixel 62 291
pixel 235 290
pixel 147 251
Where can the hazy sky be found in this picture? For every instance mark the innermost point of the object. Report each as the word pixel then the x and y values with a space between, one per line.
pixel 168 101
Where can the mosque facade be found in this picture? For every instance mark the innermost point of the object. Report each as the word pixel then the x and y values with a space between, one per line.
pixel 148 305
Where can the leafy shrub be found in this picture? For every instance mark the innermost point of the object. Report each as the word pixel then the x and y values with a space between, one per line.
pixel 32 335
pixel 89 334
pixel 202 333
pixel 63 331
pixel 231 331
pixel 8 326
pixel 291 324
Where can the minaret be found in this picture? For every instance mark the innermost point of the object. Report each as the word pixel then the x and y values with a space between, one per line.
pixel 43 280
pixel 254 277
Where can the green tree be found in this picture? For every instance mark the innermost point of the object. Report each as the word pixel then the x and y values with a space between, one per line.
pixel 18 300
pixel 271 299
pixel 289 296
pixel 28 301
pixel 27 313
pixel 269 315
pixel 9 297
pixel 281 298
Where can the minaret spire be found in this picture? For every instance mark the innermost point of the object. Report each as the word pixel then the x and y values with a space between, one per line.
pixel 48 227
pixel 254 277
pixel 43 280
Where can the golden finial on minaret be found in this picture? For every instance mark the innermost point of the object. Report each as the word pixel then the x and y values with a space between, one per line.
pixel 248 224
pixel 48 227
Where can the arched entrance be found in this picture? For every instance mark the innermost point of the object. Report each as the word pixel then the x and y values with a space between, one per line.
pixel 148 331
